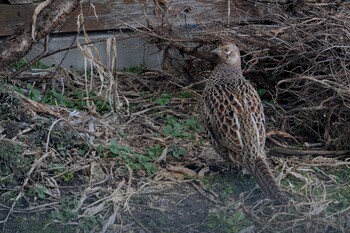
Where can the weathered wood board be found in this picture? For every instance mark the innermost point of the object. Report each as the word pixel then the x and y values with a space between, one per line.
pixel 118 14
pixel 15 2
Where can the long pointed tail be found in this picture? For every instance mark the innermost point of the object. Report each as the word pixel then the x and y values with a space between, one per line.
pixel 264 177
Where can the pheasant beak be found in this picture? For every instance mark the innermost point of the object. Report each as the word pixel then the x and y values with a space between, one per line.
pixel 215 51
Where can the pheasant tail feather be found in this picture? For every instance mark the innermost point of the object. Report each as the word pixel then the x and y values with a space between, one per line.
pixel 267 181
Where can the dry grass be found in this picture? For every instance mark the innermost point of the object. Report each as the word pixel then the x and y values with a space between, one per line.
pixel 318 184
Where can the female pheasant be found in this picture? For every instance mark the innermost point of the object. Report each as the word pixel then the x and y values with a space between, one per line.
pixel 234 119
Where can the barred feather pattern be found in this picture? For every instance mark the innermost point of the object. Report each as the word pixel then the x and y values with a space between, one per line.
pixel 234 119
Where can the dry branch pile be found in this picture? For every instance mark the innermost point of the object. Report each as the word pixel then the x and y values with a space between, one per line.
pixel 301 47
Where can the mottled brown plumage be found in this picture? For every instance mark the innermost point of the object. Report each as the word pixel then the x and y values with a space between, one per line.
pixel 234 118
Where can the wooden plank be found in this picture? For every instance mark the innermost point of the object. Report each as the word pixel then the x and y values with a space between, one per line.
pixel 17 2
pixel 117 14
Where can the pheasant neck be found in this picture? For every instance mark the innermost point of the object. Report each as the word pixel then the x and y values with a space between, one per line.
pixel 234 61
pixel 234 68
pixel 237 67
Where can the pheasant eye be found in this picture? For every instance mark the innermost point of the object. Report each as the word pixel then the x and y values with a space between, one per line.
pixel 227 51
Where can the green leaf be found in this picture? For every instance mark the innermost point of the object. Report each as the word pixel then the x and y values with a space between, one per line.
pixel 100 148
pixel 114 148
pixel 163 100
pixel 34 93
pixel 40 191
pixel 179 152
pixel 261 91
pixel 168 130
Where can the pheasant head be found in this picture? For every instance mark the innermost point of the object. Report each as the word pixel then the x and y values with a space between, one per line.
pixel 229 54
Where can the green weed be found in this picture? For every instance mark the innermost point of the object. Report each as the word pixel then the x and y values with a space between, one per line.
pixel 341 196
pixel 181 128
pixel 261 92
pixel 68 176
pixel 40 191
pixel 230 184
pixel 185 94
pixel 58 169
pixel 34 93
pixel 91 224
pixel 37 65
pixel 19 65
pixel 226 221
pixel 178 152
pixel 296 183
pixel 134 69
pixel 163 100
pixel 223 184
pixel 66 212
pixel 53 97
pixel 83 150
pixel 154 151
pixel 343 175
pixel 134 160
pixel 73 100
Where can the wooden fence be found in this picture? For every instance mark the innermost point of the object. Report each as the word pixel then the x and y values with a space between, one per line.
pixel 118 14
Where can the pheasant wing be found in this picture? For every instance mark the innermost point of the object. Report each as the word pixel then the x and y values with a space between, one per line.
pixel 221 110
pixel 253 107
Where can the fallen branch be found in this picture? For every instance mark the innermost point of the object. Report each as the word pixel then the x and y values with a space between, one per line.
pixel 46 19
pixel 296 152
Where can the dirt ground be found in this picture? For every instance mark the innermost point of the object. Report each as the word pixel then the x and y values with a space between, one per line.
pixel 69 165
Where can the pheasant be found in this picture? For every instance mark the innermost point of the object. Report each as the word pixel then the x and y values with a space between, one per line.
pixel 234 119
